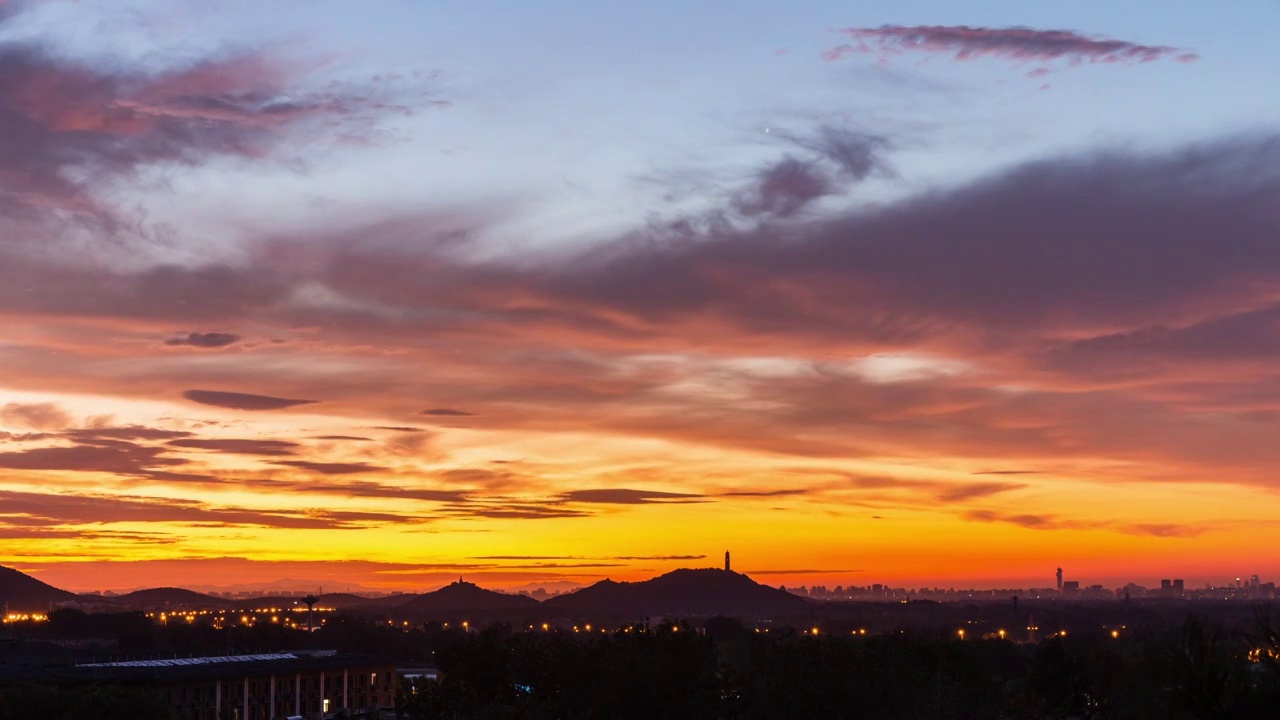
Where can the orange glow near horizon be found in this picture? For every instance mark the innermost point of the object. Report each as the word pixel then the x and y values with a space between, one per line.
pixel 422 519
pixel 271 319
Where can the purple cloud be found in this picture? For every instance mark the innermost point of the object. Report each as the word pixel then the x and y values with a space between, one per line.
pixel 241 401
pixel 1016 43
pixel 204 340
pixel 69 125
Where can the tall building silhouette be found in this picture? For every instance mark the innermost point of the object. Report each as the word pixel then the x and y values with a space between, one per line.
pixel 726 561
pixel 1059 579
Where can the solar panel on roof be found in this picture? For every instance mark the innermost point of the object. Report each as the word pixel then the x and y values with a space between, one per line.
pixel 176 662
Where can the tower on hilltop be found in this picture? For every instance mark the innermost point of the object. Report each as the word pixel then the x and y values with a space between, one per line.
pixel 726 561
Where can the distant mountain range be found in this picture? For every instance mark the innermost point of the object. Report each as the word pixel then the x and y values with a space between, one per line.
pixel 21 592
pixel 680 593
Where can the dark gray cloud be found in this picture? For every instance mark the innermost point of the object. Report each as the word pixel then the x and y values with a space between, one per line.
pixel 48 509
pixel 239 446
pixel 242 401
pixel 331 468
pixel 117 457
pixel 447 412
pixel 625 496
pixel 204 340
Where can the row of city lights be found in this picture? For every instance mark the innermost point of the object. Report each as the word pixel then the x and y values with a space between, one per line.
pixel 466 625
pixel 25 617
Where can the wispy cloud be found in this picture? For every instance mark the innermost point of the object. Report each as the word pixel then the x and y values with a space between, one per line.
pixel 204 340
pixel 71 125
pixel 1019 44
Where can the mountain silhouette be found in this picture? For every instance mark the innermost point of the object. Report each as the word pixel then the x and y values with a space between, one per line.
pixel 679 593
pixel 164 598
pixel 463 600
pixel 23 592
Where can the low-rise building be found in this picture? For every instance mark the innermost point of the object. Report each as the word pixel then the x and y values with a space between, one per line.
pixel 314 685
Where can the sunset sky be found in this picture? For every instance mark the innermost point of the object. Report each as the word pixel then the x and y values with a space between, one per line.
pixel 378 294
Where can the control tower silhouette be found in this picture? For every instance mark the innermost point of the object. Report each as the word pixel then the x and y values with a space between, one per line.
pixel 726 561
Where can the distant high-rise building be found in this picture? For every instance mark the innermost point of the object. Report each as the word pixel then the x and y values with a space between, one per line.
pixel 1178 587
pixel 1071 586
pixel 726 561
pixel 1166 586
pixel 1254 581
pixel 1059 579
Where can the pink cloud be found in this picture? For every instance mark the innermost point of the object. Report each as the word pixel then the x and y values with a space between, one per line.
pixel 1018 44
pixel 96 123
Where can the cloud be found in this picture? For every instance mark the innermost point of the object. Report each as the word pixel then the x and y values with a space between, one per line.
pixel 331 468
pixel 118 457
pixel 977 490
pixel 239 446
pixel 834 159
pixel 785 188
pixel 96 435
pixel 204 340
pixel 446 412
pixel 49 509
pixel 241 401
pixel 1053 522
pixel 1016 43
pixel 624 496
pixel 512 511
pixel 72 126
pixel 37 416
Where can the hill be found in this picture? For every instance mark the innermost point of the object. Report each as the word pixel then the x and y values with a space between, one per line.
pixel 165 598
pixel 463 600
pixel 23 592
pixel 681 593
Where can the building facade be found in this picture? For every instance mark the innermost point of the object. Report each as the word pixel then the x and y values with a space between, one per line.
pixel 310 685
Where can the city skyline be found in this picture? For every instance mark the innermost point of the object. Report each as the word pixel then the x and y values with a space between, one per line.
pixel 908 293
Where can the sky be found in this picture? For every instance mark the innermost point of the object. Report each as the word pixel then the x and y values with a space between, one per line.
pixel 379 294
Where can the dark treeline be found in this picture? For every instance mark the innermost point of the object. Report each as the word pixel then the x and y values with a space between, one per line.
pixel 1187 671
pixel 1189 668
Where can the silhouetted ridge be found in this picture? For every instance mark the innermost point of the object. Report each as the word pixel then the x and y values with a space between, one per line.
pixel 680 593
pixel 162 598
pixel 23 592
pixel 464 599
